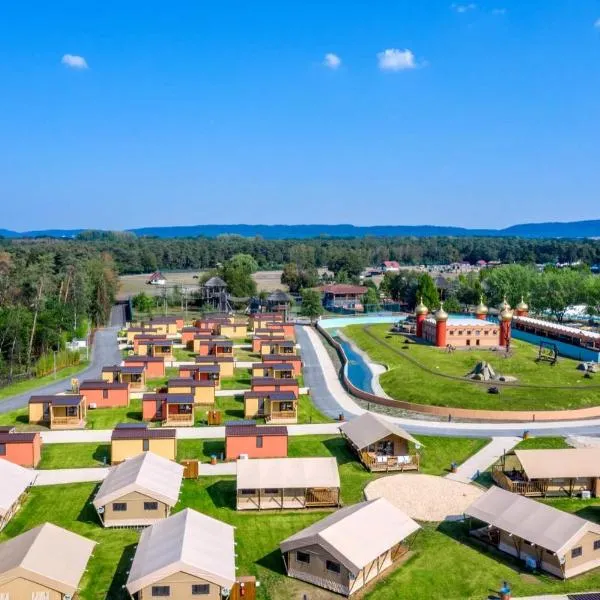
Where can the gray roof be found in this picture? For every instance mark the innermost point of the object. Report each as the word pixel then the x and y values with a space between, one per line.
pixel 533 521
pixel 146 473
pixel 14 481
pixel 49 555
pixel 215 282
pixel 358 534
pixel 567 462
pixel 188 542
pixel 370 428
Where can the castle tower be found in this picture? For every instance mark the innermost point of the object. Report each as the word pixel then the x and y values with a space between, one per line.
pixel 481 310
pixel 522 309
pixel 441 323
pixel 504 305
pixel 421 312
pixel 505 318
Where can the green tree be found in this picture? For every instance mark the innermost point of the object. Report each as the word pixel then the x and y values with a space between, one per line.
pixel 371 300
pixel 143 303
pixel 428 292
pixel 237 274
pixel 311 304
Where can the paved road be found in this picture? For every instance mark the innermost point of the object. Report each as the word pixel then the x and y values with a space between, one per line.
pixel 104 352
pixel 330 396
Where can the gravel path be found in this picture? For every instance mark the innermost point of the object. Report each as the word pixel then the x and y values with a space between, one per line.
pixel 425 497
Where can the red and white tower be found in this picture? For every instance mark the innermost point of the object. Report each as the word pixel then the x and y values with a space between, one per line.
pixel 505 317
pixel 481 311
pixel 522 309
pixel 421 312
pixel 441 323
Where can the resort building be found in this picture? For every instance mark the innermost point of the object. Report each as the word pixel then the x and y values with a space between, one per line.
pixel 154 366
pixel 259 320
pixel 246 439
pixel 234 330
pixel 61 411
pixel 274 407
pixel 142 329
pixel 167 325
pixel 543 537
pixel 44 563
pixel 144 338
pixel 203 391
pixel 290 359
pixel 189 333
pixel 350 548
pixel 565 472
pixel 287 483
pixel 22 448
pixel 380 444
pixel 202 372
pixel 172 410
pixel 156 347
pixel 263 338
pixel 278 301
pixel 273 384
pixel 226 363
pixel 274 346
pixel 390 266
pixel 129 439
pixel 213 347
pixel 184 556
pixel 15 481
pixel 104 394
pixel 273 370
pixel 344 296
pixel 135 376
pixel 139 491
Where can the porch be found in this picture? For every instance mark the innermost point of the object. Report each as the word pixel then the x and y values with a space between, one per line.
pixel 67 417
pixel 516 481
pixel 379 462
pixel 179 414
pixel 287 499
pixel 282 413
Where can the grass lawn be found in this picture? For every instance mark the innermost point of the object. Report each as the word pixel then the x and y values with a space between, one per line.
pixel 31 384
pixel 543 443
pixel 240 380
pixel 158 382
pixel 183 355
pixel 405 380
pixel 74 456
pixel 242 355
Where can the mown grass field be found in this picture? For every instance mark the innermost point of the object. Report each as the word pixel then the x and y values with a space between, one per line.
pixel 556 387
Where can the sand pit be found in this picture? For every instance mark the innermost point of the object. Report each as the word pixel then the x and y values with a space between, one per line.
pixel 425 497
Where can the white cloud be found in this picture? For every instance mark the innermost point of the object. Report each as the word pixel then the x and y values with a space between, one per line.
pixel 74 62
pixel 463 8
pixel 332 61
pixel 597 24
pixel 393 59
pixel 499 11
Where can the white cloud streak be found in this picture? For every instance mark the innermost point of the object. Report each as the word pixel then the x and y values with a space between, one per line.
pixel 597 23
pixel 332 61
pixel 74 62
pixel 393 59
pixel 463 8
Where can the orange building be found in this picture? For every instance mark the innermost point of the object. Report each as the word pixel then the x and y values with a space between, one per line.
pixel 290 359
pixel 271 384
pixel 260 320
pixel 21 448
pixel 249 440
pixel 154 366
pixel 277 347
pixel 142 338
pixel 226 363
pixel 134 376
pixel 172 410
pixel 212 347
pixel 104 394
pixel 275 370
pixel 188 334
pixel 201 373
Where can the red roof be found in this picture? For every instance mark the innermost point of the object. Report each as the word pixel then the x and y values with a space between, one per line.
pixel 343 288
pixel 157 276
pixel 392 264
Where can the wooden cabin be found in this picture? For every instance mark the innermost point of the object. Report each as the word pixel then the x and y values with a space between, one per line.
pixel 565 472
pixel 154 366
pixel 15 481
pixel 246 439
pixel 135 376
pixel 277 347
pixel 172 410
pixel 233 330
pixel 274 407
pixel 104 394
pixel 129 439
pixel 260 320
pixel 290 359
pixel 139 491
pixel 213 347
pixel 380 444
pixel 44 563
pixel 167 325
pixel 185 556
pixel 132 332
pixel 350 548
pixel 202 391
pixel 543 537
pixel 61 411
pixel 226 364
pixel 272 384
pixel 22 448
pixel 144 338
pixel 273 370
pixel 202 372
pixel 287 483
pixel 188 334
pixel 161 348
pixel 265 335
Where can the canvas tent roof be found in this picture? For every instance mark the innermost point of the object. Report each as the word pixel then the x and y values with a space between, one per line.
pixel 14 480
pixel 533 521
pixel 369 428
pixel 569 462
pixel 357 534
pixel 187 541
pixel 146 473
pixel 49 555
pixel 260 473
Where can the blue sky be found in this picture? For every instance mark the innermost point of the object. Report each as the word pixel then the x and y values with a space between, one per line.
pixel 124 114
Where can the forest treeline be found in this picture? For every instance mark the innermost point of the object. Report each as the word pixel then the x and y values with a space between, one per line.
pixel 133 254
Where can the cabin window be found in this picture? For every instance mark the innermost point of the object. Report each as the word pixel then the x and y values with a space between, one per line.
pixel 2 449
pixel 161 590
pixel 451 332
pixel 332 566
pixel 303 557
pixel 596 544
pixel 259 441
pixel 105 394
pixel 577 551
pixel 150 505
pixel 119 506
pixel 200 589
pixel 145 445
pixel 248 492
pixel 468 332
pixel 460 332
pixel 271 491
pixel 477 342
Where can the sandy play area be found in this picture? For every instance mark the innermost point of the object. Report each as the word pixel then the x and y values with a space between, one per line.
pixel 425 497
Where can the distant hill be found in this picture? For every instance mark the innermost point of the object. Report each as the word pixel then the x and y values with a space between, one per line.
pixel 577 229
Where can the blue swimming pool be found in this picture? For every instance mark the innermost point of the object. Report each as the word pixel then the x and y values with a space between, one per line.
pixel 357 370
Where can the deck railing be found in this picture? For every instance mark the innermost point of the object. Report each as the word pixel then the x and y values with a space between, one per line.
pixel 66 420
pixel 173 418
pixel 282 414
pixel 409 463
pixel 524 488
